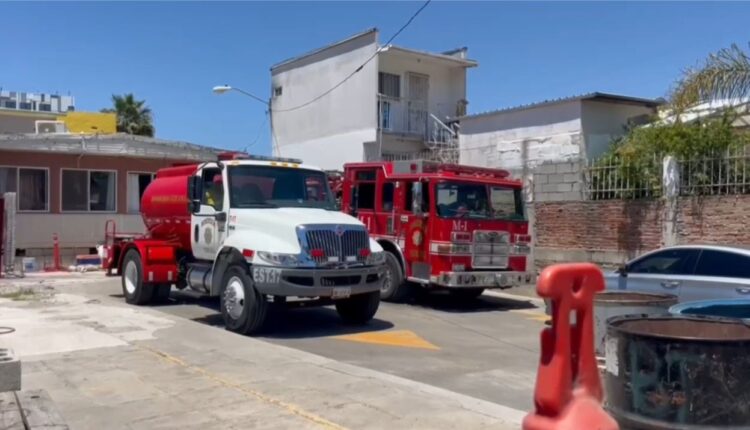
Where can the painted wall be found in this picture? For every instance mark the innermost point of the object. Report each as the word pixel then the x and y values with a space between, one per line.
pixel 13 122
pixel 90 122
pixel 35 229
pixel 511 139
pixel 331 130
pixel 604 121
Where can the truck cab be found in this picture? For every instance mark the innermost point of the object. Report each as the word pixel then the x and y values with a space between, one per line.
pixel 443 226
pixel 251 230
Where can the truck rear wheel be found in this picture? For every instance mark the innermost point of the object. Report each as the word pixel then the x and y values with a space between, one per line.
pixel 136 291
pixel 360 308
pixel 243 308
pixel 394 289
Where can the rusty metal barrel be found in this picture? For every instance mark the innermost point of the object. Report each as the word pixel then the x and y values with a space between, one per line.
pixel 608 304
pixel 678 372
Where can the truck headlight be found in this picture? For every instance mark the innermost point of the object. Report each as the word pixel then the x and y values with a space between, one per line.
pixel 279 259
pixel 376 258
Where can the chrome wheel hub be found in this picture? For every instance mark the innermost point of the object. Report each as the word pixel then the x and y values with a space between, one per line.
pixel 234 297
pixel 387 280
pixel 131 276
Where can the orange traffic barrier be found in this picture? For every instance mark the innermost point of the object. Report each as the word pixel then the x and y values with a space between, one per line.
pixel 568 392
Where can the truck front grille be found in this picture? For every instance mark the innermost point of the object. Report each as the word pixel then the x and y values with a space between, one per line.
pixel 491 249
pixel 338 246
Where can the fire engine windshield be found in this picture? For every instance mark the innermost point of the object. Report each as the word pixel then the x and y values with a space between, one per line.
pixel 478 201
pixel 275 187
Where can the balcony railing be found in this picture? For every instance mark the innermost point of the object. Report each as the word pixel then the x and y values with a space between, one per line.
pixel 400 115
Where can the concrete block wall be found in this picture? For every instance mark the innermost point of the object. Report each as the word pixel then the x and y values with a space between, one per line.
pixel 561 181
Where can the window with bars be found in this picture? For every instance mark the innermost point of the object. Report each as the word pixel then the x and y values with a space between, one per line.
pixel 389 84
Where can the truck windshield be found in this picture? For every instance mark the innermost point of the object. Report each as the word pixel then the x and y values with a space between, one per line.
pixel 273 187
pixel 478 201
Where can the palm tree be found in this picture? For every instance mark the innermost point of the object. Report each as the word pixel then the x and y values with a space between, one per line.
pixel 723 75
pixel 133 116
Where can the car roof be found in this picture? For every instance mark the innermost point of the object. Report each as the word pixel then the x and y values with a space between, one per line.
pixel 737 249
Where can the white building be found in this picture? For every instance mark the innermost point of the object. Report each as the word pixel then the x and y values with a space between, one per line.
pixel 395 106
pixel 568 129
pixel 23 101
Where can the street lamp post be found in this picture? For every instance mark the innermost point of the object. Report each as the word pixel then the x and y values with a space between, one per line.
pixel 221 89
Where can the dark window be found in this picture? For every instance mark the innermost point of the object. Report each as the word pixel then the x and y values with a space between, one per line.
pixel 271 187
pixel 44 107
pixel 75 190
pixel 10 104
pixel 24 105
pixel 366 195
pixel 368 175
pixel 387 196
pixel 389 84
pixel 277 91
pixel 725 264
pixel 213 188
pixel 667 262
pixel 32 193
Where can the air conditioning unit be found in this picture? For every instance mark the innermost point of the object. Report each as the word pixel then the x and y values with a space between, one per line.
pixel 50 127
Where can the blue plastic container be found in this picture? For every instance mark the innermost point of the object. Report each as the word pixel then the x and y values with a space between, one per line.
pixel 727 308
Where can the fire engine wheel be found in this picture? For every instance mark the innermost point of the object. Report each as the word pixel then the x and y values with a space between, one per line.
pixel 394 289
pixel 243 308
pixel 358 309
pixel 467 293
pixel 135 290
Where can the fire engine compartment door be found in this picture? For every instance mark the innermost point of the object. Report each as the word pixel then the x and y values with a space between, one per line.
pixel 416 229
pixel 207 233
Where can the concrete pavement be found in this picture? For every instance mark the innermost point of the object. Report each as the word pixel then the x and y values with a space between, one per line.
pixel 110 365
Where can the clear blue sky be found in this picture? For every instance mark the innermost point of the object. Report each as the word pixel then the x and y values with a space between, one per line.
pixel 171 54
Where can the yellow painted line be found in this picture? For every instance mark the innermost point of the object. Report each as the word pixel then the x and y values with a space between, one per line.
pixel 403 338
pixel 288 407
pixel 531 315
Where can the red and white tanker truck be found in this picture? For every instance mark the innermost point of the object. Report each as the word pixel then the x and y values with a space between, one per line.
pixel 250 230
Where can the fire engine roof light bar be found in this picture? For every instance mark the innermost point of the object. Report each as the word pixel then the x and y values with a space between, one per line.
pixel 226 156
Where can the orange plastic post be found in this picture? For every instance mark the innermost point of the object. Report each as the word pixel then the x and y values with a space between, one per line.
pixel 568 391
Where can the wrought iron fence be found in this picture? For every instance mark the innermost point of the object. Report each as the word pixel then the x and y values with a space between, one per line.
pixel 613 178
pixel 712 174
pixel 716 174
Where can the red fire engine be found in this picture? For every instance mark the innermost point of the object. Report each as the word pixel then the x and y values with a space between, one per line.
pixel 446 226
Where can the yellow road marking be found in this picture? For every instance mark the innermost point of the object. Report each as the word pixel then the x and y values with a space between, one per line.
pixel 404 338
pixel 289 407
pixel 531 315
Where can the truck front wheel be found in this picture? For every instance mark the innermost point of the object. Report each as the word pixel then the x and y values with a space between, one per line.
pixel 360 308
pixel 136 291
pixel 394 288
pixel 243 308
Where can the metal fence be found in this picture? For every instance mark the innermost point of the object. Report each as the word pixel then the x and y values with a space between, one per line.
pixel 713 174
pixel 612 178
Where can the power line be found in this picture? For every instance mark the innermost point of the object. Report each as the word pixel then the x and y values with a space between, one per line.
pixel 377 51
pixel 257 137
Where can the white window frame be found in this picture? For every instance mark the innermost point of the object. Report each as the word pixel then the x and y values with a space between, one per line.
pixel 127 187
pixel 88 191
pixel 18 182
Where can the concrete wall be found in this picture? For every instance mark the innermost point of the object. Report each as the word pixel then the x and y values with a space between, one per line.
pixel 558 182
pixel 330 131
pixel 13 122
pixel 519 139
pixel 447 84
pixel 604 121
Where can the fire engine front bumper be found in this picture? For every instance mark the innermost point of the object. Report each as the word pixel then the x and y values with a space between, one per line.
pixel 333 283
pixel 482 279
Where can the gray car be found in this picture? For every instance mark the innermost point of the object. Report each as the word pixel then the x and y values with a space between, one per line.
pixel 691 272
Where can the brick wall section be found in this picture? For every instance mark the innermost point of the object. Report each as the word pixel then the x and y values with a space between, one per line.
pixel 614 225
pixel 714 219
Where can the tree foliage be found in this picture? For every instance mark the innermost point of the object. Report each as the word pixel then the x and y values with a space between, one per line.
pixel 133 116
pixel 723 75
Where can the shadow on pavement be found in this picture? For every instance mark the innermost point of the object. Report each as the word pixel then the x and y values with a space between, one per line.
pixel 284 323
pixel 444 301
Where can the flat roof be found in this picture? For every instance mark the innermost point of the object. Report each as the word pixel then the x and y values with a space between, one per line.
pixel 595 96
pixel 300 57
pixel 456 61
pixel 118 144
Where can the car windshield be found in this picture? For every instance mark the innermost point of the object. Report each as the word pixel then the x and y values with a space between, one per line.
pixel 478 201
pixel 273 187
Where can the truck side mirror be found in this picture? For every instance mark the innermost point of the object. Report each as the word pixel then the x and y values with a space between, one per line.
pixel 416 198
pixel 622 270
pixel 194 190
pixel 353 202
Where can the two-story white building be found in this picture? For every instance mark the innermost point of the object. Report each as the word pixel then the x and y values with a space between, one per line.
pixel 388 102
